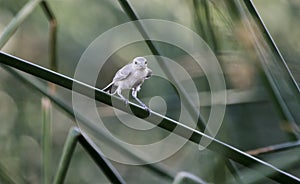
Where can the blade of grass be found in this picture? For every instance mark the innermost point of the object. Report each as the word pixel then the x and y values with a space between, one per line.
pixel 199 22
pixel 165 122
pixel 239 14
pixel 287 161
pixel 46 139
pixel 204 24
pixel 47 106
pixel 274 148
pixel 52 39
pixel 254 13
pixel 52 34
pixel 5 176
pixel 75 135
pixel 11 28
pixel 107 168
pixel 290 106
pixel 66 157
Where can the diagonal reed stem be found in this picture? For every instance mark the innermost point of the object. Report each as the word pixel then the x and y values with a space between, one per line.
pixel 95 130
pixel 105 165
pixel 283 111
pixel 254 13
pixel 165 123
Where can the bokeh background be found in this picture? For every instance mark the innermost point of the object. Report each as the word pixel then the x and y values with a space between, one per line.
pixel 251 121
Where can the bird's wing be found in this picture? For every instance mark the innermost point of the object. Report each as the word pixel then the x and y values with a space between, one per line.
pixel 123 73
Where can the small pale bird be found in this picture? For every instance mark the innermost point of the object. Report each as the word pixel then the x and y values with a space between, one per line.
pixel 130 76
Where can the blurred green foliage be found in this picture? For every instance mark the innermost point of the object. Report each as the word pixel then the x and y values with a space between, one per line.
pixel 251 121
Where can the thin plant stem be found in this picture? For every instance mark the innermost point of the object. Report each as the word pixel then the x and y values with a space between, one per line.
pixel 11 28
pixel 75 135
pixel 96 154
pixel 52 40
pixel 46 139
pixel 274 148
pixel 51 87
pixel 204 23
pixel 66 157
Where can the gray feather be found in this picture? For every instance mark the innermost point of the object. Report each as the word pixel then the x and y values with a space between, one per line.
pixel 123 73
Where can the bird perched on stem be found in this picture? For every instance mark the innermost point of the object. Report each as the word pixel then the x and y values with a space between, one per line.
pixel 130 76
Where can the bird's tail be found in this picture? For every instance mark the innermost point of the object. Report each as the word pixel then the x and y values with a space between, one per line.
pixel 108 87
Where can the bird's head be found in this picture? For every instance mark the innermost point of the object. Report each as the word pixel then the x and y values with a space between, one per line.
pixel 139 63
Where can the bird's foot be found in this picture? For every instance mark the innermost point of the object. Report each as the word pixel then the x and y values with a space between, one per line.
pixel 147 109
pixel 126 102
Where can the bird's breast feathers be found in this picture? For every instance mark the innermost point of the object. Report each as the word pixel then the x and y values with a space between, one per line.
pixel 135 78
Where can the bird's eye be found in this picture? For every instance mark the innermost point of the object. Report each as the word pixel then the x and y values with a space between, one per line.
pixel 145 62
pixel 135 62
